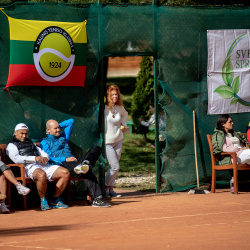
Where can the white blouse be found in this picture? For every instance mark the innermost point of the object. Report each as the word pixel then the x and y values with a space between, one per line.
pixel 234 140
pixel 113 121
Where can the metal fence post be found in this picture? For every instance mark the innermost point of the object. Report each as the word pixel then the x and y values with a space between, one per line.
pixel 101 110
pixel 157 155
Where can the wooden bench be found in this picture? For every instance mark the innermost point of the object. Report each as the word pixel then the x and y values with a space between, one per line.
pixel 22 178
pixel 234 166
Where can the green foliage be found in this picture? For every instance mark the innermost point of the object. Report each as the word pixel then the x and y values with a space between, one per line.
pixel 138 157
pixel 143 94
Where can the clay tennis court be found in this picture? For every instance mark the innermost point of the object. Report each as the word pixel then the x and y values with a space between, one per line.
pixel 135 221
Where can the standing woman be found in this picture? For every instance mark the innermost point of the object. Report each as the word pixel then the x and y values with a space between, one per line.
pixel 115 117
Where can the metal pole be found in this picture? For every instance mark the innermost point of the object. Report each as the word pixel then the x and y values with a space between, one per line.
pixel 102 168
pixel 157 153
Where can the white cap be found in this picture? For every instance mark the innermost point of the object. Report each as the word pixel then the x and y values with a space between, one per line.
pixel 21 126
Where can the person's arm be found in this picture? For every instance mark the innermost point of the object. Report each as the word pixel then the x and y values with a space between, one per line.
pixel 13 153
pixel 124 116
pixel 248 134
pixel 229 147
pixel 42 153
pixel 150 121
pixel 218 140
pixel 68 127
pixel 45 147
pixel 241 137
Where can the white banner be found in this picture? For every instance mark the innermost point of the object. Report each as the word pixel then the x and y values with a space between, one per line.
pixel 228 71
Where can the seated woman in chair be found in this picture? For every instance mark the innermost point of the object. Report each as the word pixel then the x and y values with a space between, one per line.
pixel 225 139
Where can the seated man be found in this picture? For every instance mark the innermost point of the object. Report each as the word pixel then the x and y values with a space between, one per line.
pixel 56 146
pixel 22 150
pixel 6 173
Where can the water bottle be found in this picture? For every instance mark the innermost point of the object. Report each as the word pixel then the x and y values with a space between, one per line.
pixel 232 185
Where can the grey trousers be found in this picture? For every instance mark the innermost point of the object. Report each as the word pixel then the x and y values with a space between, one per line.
pixel 113 155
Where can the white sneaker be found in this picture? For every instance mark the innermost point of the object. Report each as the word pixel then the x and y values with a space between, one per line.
pixel 22 189
pixel 81 169
pixel 113 194
pixel 3 208
pixel 86 162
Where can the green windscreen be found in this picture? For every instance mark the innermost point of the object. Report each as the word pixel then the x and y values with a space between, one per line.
pixel 175 36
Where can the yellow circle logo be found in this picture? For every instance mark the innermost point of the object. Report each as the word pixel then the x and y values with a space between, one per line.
pixel 54 54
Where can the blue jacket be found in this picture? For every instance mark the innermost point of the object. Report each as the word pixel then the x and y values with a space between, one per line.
pixel 57 146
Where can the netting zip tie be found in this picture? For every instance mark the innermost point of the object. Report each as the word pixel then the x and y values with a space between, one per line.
pixel 9 93
pixel 85 88
pixel 13 99
pixel 1 9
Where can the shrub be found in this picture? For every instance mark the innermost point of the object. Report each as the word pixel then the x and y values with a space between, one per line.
pixel 143 94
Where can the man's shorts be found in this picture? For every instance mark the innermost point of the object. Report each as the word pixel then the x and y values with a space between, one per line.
pixel 48 169
pixel 3 167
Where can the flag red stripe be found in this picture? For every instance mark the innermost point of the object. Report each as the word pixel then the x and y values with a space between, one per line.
pixel 27 75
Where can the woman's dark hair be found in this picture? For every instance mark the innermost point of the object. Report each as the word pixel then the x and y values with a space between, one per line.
pixel 152 104
pixel 222 120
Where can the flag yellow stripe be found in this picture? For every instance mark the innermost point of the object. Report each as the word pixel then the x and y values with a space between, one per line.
pixel 28 30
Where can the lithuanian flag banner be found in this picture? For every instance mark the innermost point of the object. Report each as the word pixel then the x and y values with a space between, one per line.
pixel 44 53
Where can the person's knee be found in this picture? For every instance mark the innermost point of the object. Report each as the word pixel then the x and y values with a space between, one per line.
pixel 65 173
pixel 61 172
pixel 7 170
pixel 2 177
pixel 115 168
pixel 39 175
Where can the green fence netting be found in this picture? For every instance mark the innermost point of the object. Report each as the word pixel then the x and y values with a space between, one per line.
pixel 175 36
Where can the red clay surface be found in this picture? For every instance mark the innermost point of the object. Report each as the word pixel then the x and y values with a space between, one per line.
pixel 165 221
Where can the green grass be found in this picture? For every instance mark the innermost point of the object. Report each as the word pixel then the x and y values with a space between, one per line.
pixel 138 157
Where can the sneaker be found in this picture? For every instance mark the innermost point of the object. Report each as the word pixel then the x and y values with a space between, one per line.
pixel 22 189
pixel 81 169
pixel 3 208
pixel 57 203
pixel 44 204
pixel 86 162
pixel 107 194
pixel 113 194
pixel 99 202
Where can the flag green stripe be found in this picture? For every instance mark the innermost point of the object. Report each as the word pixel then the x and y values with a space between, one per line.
pixel 21 52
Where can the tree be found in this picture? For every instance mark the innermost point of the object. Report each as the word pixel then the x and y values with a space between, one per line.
pixel 143 95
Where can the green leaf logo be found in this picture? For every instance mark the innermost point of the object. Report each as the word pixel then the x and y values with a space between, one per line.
pixel 236 85
pixel 225 92
pixel 232 85
pixel 234 100
pixel 227 72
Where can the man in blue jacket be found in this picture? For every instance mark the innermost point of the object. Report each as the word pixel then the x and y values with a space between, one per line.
pixel 56 146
